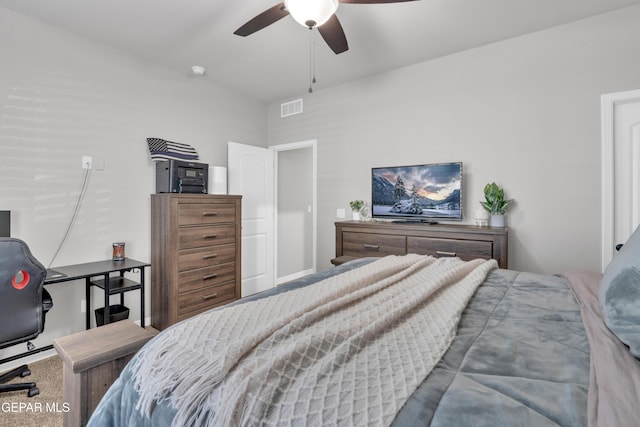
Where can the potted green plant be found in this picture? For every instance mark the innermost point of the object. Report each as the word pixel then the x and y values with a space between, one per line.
pixel 495 204
pixel 356 206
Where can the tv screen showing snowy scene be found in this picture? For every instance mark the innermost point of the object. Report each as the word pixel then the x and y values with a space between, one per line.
pixel 426 193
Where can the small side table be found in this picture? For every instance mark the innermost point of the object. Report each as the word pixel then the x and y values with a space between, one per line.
pixel 92 361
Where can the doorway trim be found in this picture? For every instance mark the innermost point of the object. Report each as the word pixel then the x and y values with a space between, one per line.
pixel 313 144
pixel 608 105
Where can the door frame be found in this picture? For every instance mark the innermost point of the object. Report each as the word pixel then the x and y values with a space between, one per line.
pixel 313 144
pixel 608 105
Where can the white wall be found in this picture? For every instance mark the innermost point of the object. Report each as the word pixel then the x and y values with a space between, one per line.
pixel 524 113
pixel 295 222
pixel 64 97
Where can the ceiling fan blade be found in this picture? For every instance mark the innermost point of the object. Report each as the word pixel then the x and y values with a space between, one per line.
pixel 373 1
pixel 332 33
pixel 262 20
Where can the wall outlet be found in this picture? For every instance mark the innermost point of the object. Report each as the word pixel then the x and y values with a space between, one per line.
pixel 341 213
pixel 83 306
pixel 87 162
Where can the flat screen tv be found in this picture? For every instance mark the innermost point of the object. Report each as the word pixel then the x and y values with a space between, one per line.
pixel 420 193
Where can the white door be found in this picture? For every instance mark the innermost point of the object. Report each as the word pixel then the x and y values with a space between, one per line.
pixel 251 176
pixel 620 169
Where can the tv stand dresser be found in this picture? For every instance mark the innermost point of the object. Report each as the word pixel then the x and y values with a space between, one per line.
pixel 359 239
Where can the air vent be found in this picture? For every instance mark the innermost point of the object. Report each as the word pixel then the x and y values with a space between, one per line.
pixel 290 108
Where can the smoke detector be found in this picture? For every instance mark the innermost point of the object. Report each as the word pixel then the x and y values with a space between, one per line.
pixel 197 70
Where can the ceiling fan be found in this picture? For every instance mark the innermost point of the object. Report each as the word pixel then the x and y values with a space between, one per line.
pixel 318 14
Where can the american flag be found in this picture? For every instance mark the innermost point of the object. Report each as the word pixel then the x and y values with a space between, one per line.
pixel 161 149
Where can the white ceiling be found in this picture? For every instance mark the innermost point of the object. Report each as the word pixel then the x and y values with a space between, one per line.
pixel 273 64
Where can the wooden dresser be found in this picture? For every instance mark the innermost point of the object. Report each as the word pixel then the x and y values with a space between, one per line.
pixel 356 239
pixel 195 254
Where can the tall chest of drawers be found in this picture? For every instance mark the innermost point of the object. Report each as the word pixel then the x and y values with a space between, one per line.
pixel 195 254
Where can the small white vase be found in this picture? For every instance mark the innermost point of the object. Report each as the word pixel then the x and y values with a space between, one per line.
pixel 497 220
pixel 355 216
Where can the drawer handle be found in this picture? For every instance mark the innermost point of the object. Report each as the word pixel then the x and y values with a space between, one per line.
pixel 208 297
pixel 209 276
pixel 209 213
pixel 209 236
pixel 444 253
pixel 373 247
pixel 209 256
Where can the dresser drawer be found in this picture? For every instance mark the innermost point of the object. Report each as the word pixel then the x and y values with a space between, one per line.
pixel 203 277
pixel 191 259
pixel 206 298
pixel 205 213
pixel 369 244
pixel 464 249
pixel 197 237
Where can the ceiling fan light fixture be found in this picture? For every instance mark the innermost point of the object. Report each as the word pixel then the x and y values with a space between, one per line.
pixel 311 13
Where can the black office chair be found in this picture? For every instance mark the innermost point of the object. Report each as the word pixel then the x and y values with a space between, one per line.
pixel 23 304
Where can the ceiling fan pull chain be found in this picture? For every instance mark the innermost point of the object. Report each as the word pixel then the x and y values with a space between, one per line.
pixel 314 57
pixel 312 77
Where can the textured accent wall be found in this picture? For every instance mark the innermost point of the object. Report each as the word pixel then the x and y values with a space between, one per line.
pixel 63 97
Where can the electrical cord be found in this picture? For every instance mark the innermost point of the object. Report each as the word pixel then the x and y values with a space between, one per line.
pixel 83 189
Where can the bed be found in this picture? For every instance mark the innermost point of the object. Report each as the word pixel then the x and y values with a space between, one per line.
pixel 511 348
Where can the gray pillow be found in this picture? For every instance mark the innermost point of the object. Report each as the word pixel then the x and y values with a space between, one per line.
pixel 619 294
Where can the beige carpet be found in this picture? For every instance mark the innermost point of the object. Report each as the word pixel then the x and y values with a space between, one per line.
pixel 43 410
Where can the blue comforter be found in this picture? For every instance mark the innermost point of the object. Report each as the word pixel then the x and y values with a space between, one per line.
pixel 520 357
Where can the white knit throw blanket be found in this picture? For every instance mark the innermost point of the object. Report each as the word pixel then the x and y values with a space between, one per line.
pixel 348 350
